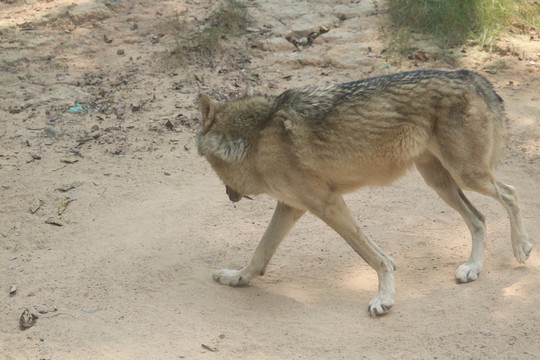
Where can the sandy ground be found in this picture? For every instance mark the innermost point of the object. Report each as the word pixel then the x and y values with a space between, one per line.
pixel 145 221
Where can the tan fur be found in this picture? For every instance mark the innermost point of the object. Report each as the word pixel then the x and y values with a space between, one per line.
pixel 308 146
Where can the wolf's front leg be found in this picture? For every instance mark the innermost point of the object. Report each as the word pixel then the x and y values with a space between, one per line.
pixel 282 221
pixel 333 210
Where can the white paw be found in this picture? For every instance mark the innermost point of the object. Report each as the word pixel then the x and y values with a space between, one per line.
pixel 380 305
pixel 468 272
pixel 230 277
pixel 522 250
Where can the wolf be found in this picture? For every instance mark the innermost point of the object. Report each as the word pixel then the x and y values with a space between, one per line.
pixel 307 147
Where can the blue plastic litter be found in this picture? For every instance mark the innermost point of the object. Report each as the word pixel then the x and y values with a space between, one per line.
pixel 77 109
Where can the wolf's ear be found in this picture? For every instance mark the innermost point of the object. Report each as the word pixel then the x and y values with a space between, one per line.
pixel 208 112
pixel 247 92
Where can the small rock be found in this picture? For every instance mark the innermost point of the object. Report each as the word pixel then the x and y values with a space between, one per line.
pixel 311 22
pixel 119 109
pixel 52 132
pixel 40 309
pixel 168 173
pixel 120 52
pixel 188 91
pixel 67 187
pixel 88 12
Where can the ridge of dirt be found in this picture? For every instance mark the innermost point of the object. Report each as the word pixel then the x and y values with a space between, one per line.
pixel 111 224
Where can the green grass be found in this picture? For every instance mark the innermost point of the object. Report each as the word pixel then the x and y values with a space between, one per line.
pixel 456 22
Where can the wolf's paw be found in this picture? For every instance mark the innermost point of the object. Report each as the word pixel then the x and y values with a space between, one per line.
pixel 230 277
pixel 380 305
pixel 522 250
pixel 468 272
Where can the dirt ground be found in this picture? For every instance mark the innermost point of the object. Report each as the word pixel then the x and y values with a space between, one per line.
pixel 111 224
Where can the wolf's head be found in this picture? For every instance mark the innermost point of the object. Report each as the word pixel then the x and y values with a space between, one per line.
pixel 224 127
pixel 228 132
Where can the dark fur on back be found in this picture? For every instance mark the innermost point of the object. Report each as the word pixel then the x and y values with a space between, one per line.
pixel 316 102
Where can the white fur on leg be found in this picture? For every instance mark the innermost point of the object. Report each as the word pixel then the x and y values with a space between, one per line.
pixel 468 272
pixel 384 300
pixel 520 240
pixel 231 277
pixel 522 249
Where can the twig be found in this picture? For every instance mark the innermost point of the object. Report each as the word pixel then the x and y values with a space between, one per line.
pixel 73 316
pixel 280 20
pixel 60 168
pixel 83 141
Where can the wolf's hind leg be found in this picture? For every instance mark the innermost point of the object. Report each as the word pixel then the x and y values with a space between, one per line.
pixel 506 195
pixel 282 221
pixel 437 177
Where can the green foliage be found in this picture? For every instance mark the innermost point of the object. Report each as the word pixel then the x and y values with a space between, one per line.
pixel 454 22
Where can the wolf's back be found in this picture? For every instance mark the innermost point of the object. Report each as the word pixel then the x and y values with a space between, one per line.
pixel 392 100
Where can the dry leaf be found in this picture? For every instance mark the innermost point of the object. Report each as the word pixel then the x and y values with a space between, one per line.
pixel 66 161
pixel 420 55
pixel 55 221
pixel 199 78
pixel 63 206
pixel 213 345
pixel 27 320
pixel 36 204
